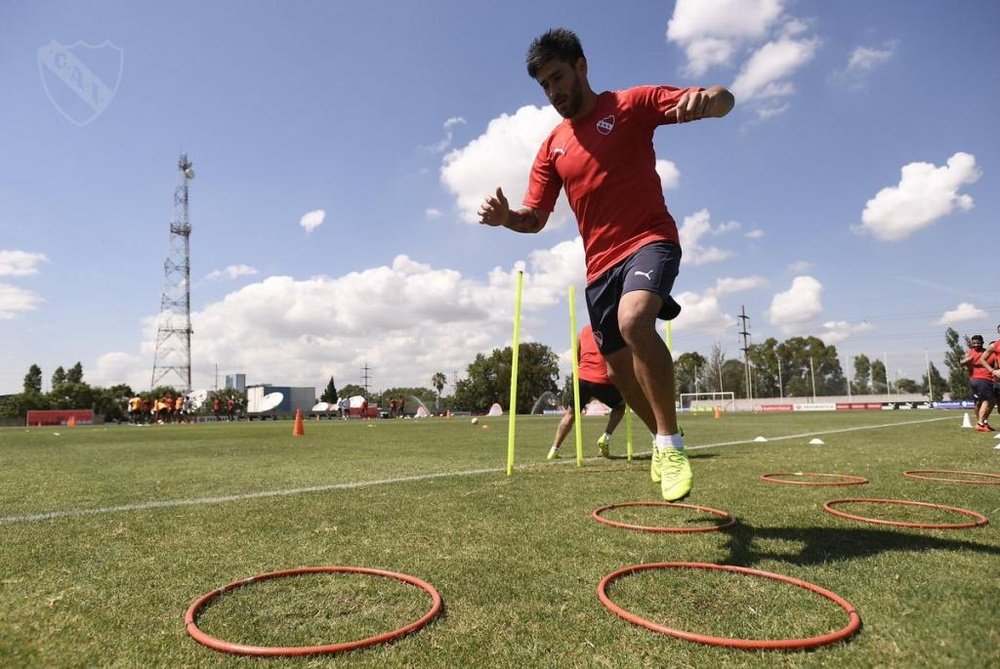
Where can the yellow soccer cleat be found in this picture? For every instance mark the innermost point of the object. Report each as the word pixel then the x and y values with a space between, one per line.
pixel 675 474
pixel 604 446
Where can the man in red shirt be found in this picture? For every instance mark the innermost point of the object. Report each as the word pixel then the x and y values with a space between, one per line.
pixel 981 376
pixel 602 156
pixel 594 383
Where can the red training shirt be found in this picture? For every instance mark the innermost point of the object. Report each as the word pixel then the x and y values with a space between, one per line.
pixel 606 163
pixel 591 366
pixel 978 371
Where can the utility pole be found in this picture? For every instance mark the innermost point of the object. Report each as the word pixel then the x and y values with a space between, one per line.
pixel 173 336
pixel 744 331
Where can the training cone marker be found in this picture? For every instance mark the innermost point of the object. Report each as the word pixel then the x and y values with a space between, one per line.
pixel 298 429
pixel 717 413
pixel 761 439
pixel 966 422
pixel 816 442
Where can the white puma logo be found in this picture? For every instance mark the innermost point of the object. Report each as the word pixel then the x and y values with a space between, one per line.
pixel 648 275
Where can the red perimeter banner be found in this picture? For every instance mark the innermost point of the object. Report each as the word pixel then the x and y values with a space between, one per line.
pixel 40 417
pixel 776 407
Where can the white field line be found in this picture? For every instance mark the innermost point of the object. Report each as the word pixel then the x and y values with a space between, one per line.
pixel 198 501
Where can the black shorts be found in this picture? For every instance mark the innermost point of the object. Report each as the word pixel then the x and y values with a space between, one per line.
pixel 654 268
pixel 983 390
pixel 605 392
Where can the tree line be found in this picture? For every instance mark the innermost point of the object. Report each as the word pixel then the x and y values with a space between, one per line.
pixel 795 367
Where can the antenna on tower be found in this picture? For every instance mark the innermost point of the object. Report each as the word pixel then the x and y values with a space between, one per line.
pixel 173 336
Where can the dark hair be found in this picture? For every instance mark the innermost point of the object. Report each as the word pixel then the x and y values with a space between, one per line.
pixel 976 338
pixel 556 44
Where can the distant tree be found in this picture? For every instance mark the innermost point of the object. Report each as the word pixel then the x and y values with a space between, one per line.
pixel 350 390
pixel 58 377
pixel 712 374
pixel 33 380
pixel 958 374
pixel 75 374
pixel 937 386
pixel 879 379
pixel 764 361
pixel 426 396
pixel 688 369
pixel 734 377
pixel 809 360
pixel 18 406
pixel 72 395
pixel 488 378
pixel 438 381
pixel 330 393
pixel 862 373
pixel 905 385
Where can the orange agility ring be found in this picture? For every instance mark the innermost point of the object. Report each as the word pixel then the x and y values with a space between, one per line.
pixel 840 479
pixel 853 623
pixel 730 521
pixel 191 617
pixel 979 521
pixel 990 479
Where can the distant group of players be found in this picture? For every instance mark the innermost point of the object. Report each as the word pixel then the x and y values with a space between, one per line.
pixel 166 409
pixel 983 363
pixel 176 409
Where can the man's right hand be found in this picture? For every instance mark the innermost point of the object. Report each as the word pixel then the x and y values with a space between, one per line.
pixel 494 210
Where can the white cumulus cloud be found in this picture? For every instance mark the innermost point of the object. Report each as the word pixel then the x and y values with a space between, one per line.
pixel 20 263
pixel 766 72
pixel 231 272
pixel 792 309
pixel 14 300
pixel 835 332
pixel 966 311
pixel 312 219
pixel 670 176
pixel 711 32
pixel 925 193
pixel 703 312
pixel 406 320
pixel 501 156
pixel 728 285
pixel 694 228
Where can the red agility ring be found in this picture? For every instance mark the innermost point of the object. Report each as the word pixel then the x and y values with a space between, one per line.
pixel 979 521
pixel 648 528
pixel 853 624
pixel 191 617
pixel 842 479
pixel 916 474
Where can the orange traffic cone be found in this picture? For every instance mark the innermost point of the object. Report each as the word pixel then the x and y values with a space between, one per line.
pixel 717 412
pixel 298 429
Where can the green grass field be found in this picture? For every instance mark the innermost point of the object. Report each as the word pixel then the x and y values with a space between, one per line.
pixel 109 533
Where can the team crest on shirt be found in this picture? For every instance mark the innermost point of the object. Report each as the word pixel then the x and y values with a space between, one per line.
pixel 606 124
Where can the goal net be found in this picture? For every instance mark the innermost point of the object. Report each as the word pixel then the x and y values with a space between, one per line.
pixel 708 401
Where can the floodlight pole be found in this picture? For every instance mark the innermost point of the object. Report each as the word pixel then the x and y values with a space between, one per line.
pixel 173 336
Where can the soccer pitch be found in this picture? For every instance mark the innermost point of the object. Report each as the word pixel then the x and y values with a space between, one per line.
pixel 111 532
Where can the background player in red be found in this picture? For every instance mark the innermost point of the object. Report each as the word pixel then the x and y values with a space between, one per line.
pixel 981 375
pixel 594 382
pixel 602 156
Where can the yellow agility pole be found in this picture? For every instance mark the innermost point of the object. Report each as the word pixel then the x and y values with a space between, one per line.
pixel 513 375
pixel 575 354
pixel 628 432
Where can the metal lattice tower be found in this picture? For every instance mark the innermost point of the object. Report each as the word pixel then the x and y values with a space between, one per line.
pixel 173 337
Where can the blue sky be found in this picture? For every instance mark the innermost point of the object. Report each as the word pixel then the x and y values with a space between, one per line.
pixel 342 148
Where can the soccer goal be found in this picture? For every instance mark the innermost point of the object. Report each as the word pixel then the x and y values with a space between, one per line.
pixel 708 401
